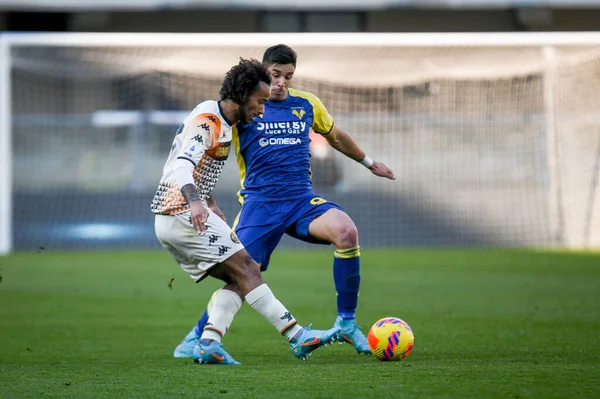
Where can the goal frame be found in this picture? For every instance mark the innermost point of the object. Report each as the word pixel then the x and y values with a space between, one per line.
pixel 546 41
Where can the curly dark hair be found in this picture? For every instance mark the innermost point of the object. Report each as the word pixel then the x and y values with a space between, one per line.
pixel 243 79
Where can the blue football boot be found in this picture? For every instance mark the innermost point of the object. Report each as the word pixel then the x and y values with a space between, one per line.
pixel 352 334
pixel 310 340
pixel 214 353
pixel 186 347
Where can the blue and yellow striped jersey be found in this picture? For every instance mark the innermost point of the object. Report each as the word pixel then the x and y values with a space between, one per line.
pixel 273 150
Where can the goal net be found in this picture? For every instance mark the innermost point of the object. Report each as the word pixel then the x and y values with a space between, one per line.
pixel 492 144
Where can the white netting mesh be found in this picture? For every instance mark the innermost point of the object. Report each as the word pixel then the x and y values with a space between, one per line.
pixel 576 101
pixel 465 128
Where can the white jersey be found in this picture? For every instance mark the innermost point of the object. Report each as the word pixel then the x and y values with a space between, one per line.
pixel 204 139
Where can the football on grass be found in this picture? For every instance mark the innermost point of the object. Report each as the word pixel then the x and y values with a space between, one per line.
pixel 391 339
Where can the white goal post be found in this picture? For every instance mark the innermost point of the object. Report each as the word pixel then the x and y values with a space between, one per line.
pixel 416 65
pixel 5 148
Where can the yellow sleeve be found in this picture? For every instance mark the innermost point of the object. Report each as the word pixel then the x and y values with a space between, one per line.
pixel 323 121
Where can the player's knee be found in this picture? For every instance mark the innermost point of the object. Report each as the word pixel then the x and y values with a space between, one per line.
pixel 249 276
pixel 221 273
pixel 346 236
pixel 249 266
pixel 242 267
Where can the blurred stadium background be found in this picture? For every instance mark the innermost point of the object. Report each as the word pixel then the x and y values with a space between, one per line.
pixel 492 146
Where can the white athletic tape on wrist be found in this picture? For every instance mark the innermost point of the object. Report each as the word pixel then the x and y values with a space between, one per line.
pixel 366 162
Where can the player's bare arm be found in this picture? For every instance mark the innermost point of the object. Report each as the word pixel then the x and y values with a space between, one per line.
pixel 199 212
pixel 344 143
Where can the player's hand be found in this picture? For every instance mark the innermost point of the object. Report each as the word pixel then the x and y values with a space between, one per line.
pixel 199 216
pixel 380 169
pixel 215 208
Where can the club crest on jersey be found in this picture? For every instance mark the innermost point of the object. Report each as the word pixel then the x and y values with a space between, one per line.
pixel 299 112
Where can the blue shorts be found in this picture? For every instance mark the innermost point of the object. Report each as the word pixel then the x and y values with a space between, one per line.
pixel 260 225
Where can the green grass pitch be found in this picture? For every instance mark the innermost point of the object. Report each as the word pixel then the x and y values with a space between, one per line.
pixel 487 323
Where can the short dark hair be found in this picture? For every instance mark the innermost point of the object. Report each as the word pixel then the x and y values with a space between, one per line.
pixel 243 79
pixel 280 54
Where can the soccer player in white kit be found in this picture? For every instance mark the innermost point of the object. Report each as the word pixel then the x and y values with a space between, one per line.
pixel 189 226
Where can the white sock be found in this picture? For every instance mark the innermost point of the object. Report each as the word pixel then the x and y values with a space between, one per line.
pixel 264 302
pixel 225 304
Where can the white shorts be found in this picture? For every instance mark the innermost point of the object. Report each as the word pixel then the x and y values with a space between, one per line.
pixel 196 254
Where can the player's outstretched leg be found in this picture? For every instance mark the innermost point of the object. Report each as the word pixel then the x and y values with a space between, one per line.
pixel 336 227
pixel 244 280
pixel 186 346
pixel 346 272
pixel 303 340
pixel 259 296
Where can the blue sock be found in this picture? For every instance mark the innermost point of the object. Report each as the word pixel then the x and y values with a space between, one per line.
pixel 202 322
pixel 346 275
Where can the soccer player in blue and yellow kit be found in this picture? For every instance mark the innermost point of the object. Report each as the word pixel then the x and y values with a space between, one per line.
pixel 276 190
